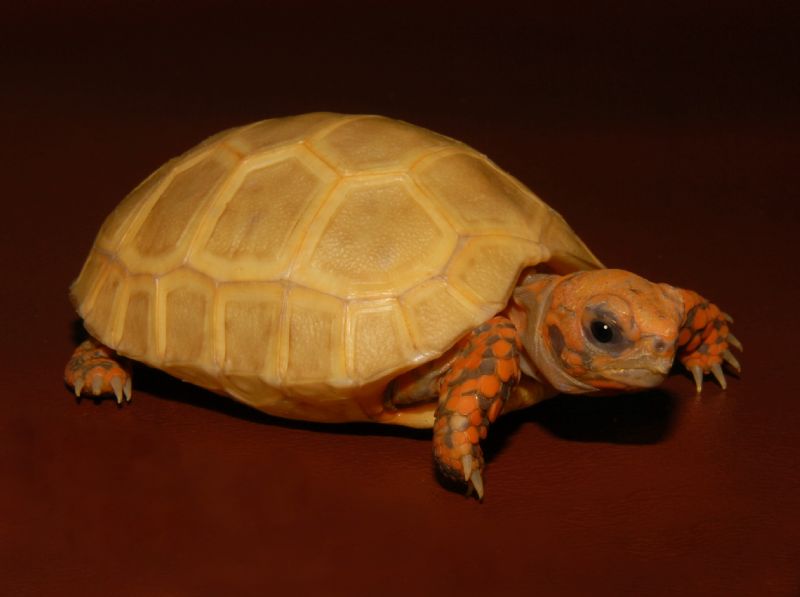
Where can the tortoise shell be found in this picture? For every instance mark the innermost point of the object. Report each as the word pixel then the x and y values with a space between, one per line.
pixel 299 264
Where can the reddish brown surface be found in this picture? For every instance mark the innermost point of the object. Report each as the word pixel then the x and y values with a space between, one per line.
pixel 667 138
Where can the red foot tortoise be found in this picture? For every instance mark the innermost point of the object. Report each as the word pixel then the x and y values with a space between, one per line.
pixel 357 268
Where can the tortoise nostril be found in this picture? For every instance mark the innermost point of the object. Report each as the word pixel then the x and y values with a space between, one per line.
pixel 660 346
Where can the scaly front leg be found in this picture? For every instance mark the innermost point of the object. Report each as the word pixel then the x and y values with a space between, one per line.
pixel 471 396
pixel 705 339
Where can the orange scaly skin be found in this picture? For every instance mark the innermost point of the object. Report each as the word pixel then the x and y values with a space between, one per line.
pixel 97 369
pixel 471 396
pixel 704 338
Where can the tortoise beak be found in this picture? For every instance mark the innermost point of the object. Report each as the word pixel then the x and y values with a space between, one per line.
pixel 639 373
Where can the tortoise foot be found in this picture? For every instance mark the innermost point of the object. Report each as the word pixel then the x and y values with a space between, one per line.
pixel 97 370
pixel 705 341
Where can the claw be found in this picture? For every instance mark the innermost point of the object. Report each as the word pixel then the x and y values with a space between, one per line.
pixel 466 462
pixel 697 373
pixel 727 318
pixel 717 371
pixel 97 385
pixel 477 483
pixel 731 360
pixel 128 389
pixel 734 341
pixel 78 387
pixel 116 384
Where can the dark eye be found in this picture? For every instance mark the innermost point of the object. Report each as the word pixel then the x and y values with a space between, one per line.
pixel 602 331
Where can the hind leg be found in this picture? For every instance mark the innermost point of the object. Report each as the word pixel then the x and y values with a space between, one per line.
pixel 97 369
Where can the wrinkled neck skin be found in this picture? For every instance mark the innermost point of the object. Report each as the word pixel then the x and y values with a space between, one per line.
pixel 528 308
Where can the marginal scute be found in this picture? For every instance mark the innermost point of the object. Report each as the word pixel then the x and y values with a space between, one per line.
pixel 138 333
pixel 315 338
pixel 479 197
pixel 360 245
pixel 187 299
pixel 84 289
pixel 374 143
pixel 378 341
pixel 103 316
pixel 250 336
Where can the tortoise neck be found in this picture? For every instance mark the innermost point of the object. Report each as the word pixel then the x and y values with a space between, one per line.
pixel 529 308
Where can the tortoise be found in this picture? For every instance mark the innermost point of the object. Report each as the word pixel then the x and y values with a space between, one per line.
pixel 336 268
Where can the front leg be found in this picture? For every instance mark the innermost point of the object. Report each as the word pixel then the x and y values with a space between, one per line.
pixel 471 396
pixel 705 339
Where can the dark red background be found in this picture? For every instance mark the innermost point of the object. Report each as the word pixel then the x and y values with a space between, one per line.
pixel 667 136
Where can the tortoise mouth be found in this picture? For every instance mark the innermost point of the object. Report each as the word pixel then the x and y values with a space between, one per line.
pixel 639 375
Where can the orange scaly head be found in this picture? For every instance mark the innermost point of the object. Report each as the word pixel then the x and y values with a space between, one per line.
pixel 599 330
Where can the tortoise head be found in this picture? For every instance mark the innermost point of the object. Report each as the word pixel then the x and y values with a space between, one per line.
pixel 599 330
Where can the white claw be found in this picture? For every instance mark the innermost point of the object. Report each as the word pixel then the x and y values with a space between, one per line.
pixel 717 371
pixel 116 384
pixel 78 387
pixel 731 360
pixel 477 483
pixel 97 384
pixel 697 373
pixel 734 341
pixel 128 389
pixel 727 318
pixel 466 462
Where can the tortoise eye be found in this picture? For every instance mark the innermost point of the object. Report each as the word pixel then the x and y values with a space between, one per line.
pixel 604 332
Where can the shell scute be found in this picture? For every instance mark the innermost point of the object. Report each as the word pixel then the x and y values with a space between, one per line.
pixel 158 242
pixel 368 144
pixel 360 246
pixel 253 232
pixel 478 196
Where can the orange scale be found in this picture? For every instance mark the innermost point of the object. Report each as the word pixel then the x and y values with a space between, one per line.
pixel 494 410
pixel 700 319
pixel 488 385
pixel 501 349
pixel 465 405
pixel 472 435
pixel 475 418
pixel 505 369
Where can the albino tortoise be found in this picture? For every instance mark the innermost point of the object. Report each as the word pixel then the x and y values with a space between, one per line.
pixel 357 268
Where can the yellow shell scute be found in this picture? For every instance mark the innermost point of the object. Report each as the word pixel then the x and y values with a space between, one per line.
pixel 368 144
pixel 248 328
pixel 137 312
pixel 254 230
pixel 437 316
pixel 479 197
pixel 119 220
pixel 167 222
pixel 482 267
pixel 270 134
pixel 184 308
pixel 378 340
pixel 315 339
pixel 359 246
